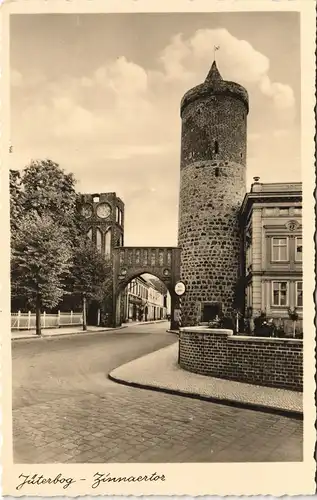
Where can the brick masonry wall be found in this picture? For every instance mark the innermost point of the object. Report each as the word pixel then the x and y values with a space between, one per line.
pixel 212 187
pixel 254 360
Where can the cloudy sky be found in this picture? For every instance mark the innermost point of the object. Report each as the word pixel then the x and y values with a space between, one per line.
pixel 100 94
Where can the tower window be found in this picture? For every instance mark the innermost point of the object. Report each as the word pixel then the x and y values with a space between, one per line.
pixel 217 172
pixel 107 243
pixel 216 147
pixel 98 239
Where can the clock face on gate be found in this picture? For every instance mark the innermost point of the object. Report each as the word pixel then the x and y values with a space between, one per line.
pixel 103 210
pixel 86 211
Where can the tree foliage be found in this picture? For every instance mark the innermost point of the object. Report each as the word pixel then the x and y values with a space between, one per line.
pixel 91 273
pixel 16 198
pixel 41 258
pixel 44 231
pixel 50 254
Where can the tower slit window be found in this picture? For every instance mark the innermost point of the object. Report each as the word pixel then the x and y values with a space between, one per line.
pixel 217 171
pixel 216 147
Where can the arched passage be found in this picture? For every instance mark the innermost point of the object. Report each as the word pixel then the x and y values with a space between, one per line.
pixel 144 298
pixel 130 262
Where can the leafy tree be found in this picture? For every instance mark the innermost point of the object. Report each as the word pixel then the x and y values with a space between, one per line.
pixel 40 261
pixel 47 189
pixel 16 198
pixel 91 274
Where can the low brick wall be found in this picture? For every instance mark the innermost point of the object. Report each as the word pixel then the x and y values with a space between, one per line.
pixel 263 361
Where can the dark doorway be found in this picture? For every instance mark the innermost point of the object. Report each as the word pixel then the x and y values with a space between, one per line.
pixel 210 311
pixel 93 313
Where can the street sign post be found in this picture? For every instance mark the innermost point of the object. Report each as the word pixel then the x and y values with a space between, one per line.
pixel 180 288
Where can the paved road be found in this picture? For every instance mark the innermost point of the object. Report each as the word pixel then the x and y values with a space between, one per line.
pixel 66 410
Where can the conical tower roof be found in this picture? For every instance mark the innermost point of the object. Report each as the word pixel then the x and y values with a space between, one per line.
pixel 215 85
pixel 213 76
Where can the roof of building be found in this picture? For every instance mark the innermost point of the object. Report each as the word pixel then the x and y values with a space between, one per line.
pixel 156 284
pixel 271 191
pixel 214 84
pixel 213 76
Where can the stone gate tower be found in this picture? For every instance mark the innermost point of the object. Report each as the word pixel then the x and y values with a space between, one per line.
pixel 212 187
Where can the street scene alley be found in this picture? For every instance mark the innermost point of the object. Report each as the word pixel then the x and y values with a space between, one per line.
pixel 66 410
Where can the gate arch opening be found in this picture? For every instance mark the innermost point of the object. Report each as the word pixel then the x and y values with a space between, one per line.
pixel 129 263
pixel 144 298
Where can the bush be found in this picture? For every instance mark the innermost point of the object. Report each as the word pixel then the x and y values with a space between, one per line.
pixel 227 323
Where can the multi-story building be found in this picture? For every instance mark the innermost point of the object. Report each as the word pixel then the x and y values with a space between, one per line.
pixel 145 300
pixel 271 222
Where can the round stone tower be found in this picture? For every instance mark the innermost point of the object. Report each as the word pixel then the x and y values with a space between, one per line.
pixel 212 187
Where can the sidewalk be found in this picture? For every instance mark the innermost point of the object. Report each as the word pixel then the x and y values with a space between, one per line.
pixel 58 332
pixel 160 371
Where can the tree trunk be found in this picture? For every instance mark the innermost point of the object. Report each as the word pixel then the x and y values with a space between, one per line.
pixel 38 315
pixel 84 313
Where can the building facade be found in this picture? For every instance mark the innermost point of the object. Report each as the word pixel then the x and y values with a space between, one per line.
pixel 103 222
pixel 212 188
pixel 271 223
pixel 145 301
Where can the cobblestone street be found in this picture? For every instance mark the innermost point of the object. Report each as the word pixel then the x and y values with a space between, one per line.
pixel 66 410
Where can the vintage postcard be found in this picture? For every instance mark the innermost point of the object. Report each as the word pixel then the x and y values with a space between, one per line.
pixel 158 226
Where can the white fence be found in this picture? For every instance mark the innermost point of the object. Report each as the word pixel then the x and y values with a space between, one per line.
pixel 26 321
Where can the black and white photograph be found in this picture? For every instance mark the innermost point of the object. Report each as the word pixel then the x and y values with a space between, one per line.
pixel 159 171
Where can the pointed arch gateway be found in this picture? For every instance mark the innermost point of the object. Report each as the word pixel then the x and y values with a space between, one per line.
pixel 130 262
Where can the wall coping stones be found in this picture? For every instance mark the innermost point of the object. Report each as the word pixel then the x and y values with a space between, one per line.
pixel 206 331
pixel 275 340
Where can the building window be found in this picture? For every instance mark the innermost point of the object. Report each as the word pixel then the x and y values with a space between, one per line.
pixel 217 171
pixel 299 294
pixel 108 242
pixel 216 147
pixel 117 215
pixel 280 293
pixel 298 249
pixel 279 249
pixel 89 234
pixel 98 239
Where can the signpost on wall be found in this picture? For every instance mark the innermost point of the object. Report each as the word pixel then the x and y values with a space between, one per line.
pixel 180 289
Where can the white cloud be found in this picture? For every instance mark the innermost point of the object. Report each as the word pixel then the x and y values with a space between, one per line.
pixel 238 61
pixel 133 111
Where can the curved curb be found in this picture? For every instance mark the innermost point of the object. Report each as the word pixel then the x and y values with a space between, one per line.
pixel 212 399
pixel 176 332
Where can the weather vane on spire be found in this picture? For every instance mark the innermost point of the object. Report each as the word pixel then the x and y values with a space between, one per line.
pixel 216 47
